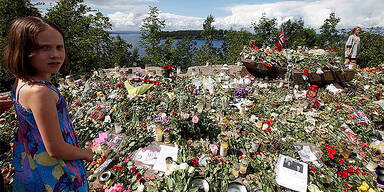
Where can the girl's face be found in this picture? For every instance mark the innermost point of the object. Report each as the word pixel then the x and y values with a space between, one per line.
pixel 50 54
pixel 357 31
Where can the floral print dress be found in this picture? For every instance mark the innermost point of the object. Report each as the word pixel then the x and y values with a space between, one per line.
pixel 35 170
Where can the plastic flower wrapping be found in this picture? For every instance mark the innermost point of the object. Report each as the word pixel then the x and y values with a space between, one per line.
pixel 252 120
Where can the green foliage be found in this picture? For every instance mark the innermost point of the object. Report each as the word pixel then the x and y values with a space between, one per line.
pixel 183 54
pixel 123 57
pixel 192 34
pixel 88 44
pixel 329 35
pixel 9 11
pixel 266 29
pixel 150 37
pixel 296 35
pixel 208 29
pixel 207 53
pixel 234 42
pixel 371 50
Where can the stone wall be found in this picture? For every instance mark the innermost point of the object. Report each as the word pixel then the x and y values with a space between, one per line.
pixel 196 70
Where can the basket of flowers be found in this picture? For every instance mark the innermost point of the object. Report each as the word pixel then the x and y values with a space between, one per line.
pixel 263 62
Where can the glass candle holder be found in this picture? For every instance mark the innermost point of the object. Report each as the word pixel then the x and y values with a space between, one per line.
pixel 159 135
pixel 243 166
pixel 224 147
pixel 168 163
pixel 70 80
pixel 167 137
pixel 235 169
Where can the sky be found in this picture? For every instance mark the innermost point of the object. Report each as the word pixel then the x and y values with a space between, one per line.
pixel 127 15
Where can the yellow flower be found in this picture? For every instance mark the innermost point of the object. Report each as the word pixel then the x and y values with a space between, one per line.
pixel 364 186
pixel 371 190
pixel 99 94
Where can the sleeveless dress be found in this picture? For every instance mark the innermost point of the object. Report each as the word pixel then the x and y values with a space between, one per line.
pixel 35 170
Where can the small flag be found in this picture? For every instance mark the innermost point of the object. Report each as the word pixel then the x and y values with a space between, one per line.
pixel 280 40
pixel 266 63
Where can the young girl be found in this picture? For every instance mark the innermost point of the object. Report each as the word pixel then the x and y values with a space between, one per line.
pixel 352 46
pixel 46 153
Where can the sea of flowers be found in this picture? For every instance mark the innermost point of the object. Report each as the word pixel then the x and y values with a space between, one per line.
pixel 256 119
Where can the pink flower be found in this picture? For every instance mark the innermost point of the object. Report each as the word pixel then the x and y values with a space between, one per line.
pixel 127 190
pixel 362 154
pixel 186 116
pixel 195 119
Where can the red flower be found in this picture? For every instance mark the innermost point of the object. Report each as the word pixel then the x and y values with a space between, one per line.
pixel 306 72
pixel 313 170
pixel 341 160
pixel 350 170
pixel 344 174
pixel 195 161
pixel 358 171
pixel 331 153
pixel 365 173
pixel 77 103
pixel 133 170
pixel 100 116
pixel 338 173
pixel 191 146
pixel 269 122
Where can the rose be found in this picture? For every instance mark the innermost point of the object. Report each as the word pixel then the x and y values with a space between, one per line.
pixel 186 116
pixel 195 119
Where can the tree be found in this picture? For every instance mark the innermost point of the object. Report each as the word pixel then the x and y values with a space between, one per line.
pixel 233 44
pixel 371 50
pixel 9 11
pixel 297 35
pixel 89 46
pixel 329 35
pixel 183 54
pixel 208 32
pixel 267 30
pixel 207 53
pixel 122 55
pixel 151 35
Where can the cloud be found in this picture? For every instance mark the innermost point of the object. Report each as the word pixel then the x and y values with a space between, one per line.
pixel 351 12
pixel 128 14
pixel 179 22
pixel 120 5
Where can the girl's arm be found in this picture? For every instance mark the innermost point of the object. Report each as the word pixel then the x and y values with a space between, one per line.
pixel 42 102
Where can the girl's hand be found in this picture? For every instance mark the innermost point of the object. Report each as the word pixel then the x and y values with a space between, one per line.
pixel 88 155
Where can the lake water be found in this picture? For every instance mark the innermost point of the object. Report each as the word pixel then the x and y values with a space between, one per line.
pixel 134 38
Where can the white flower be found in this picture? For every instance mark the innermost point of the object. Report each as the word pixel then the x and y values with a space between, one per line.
pixel 107 119
pixel 265 126
pixel 140 188
pixel 191 169
pixel 253 118
pixel 182 166
pixel 163 115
